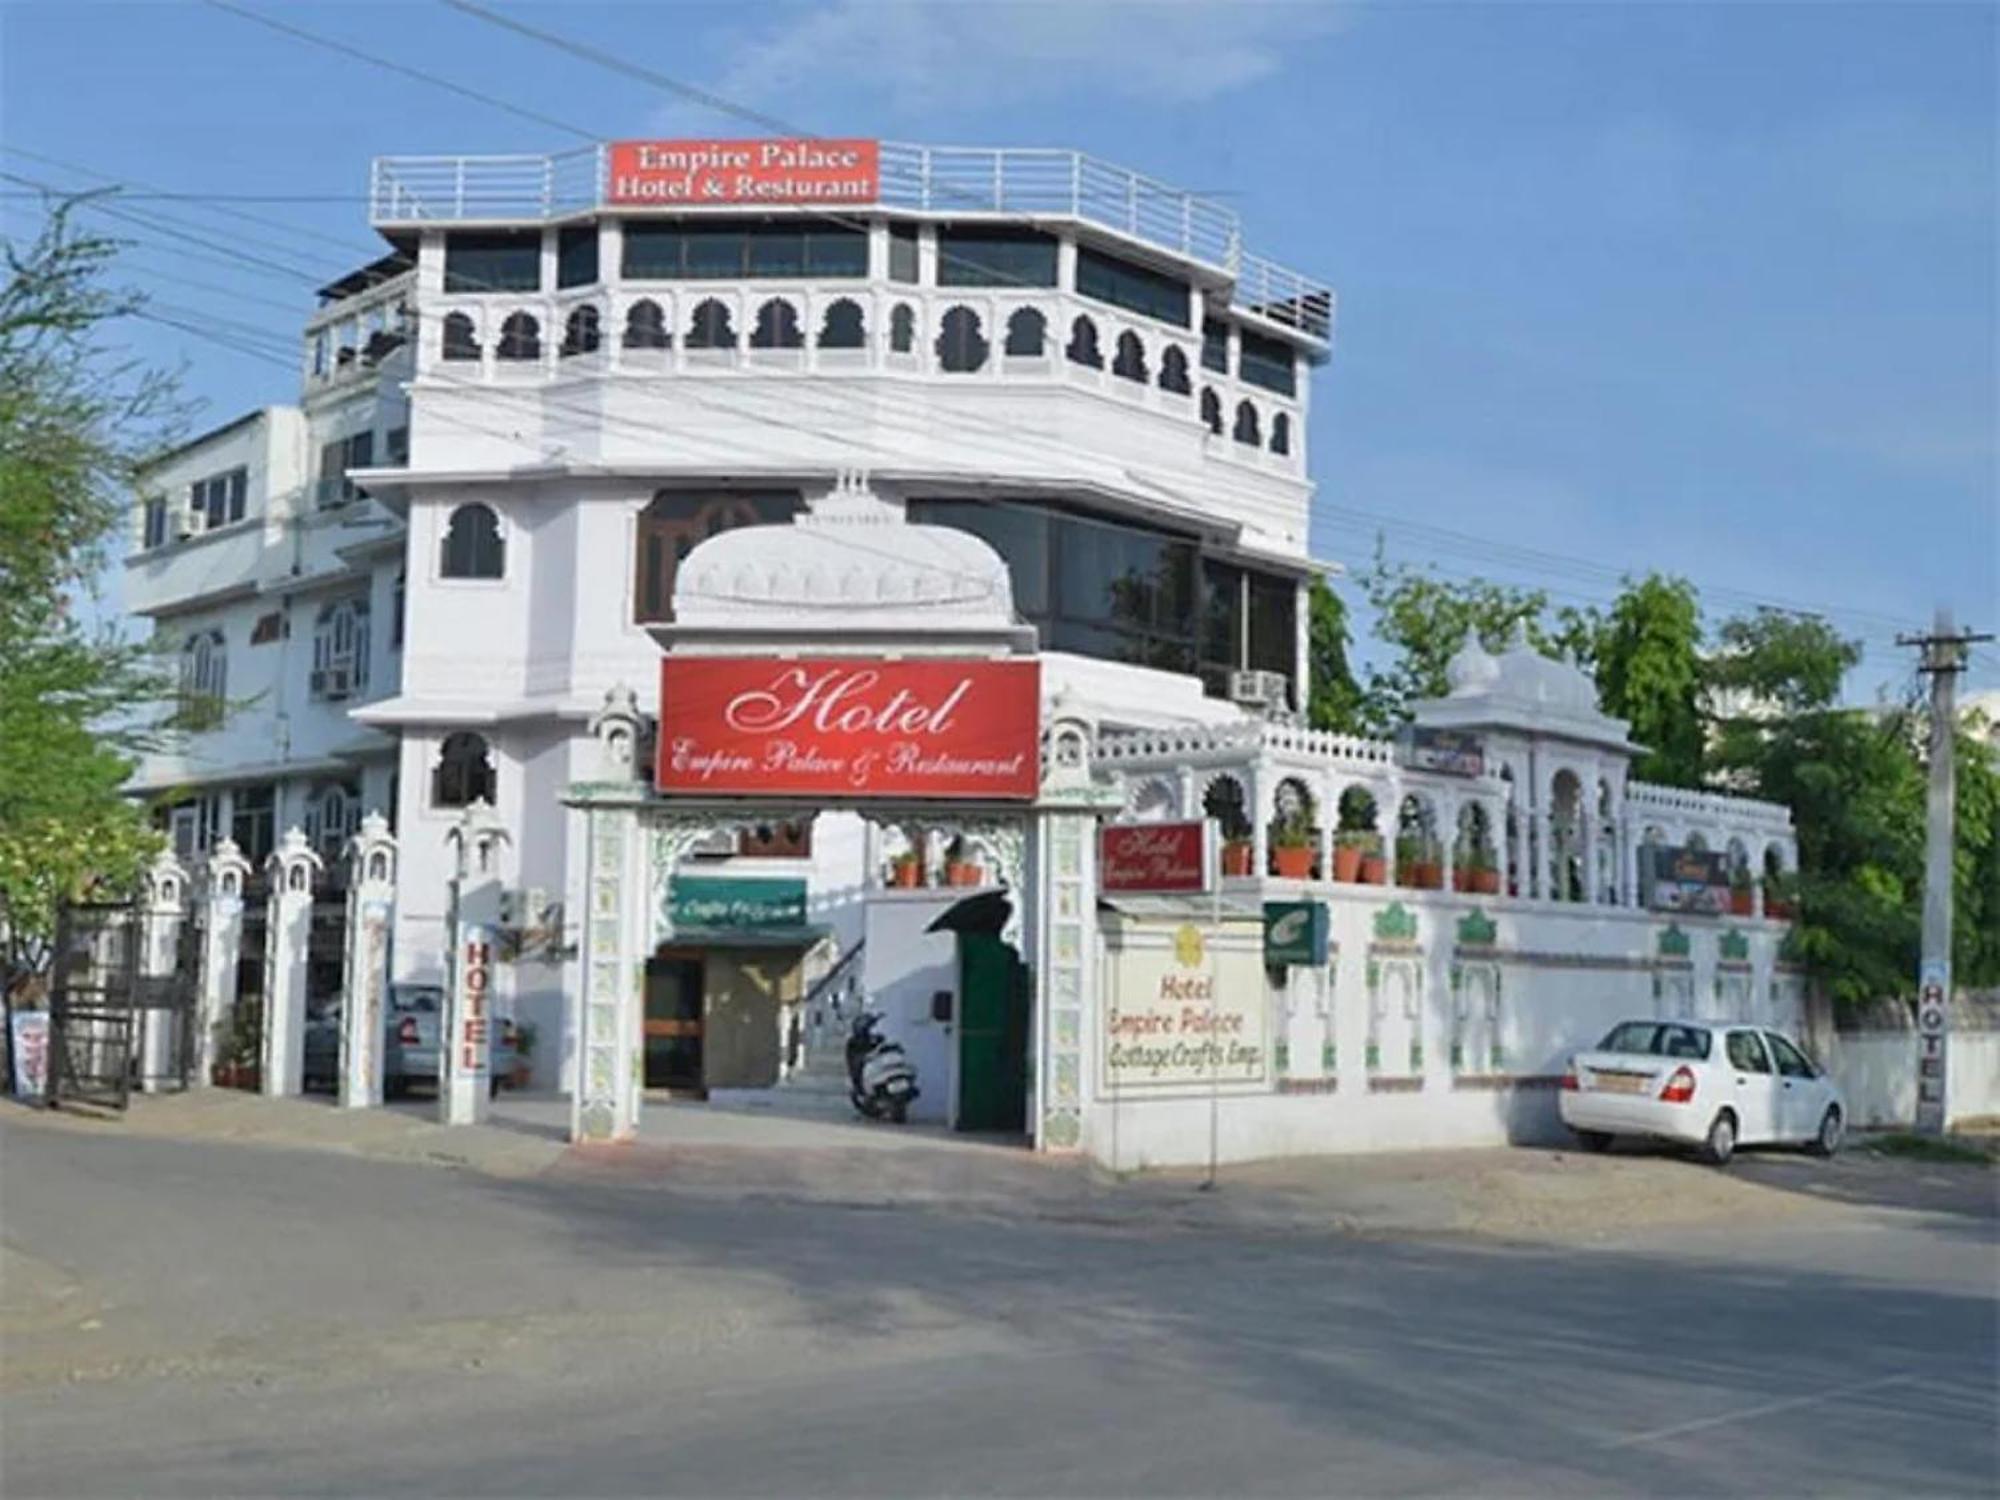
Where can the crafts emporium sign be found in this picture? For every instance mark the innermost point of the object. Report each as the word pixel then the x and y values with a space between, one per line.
pixel 721 901
pixel 1155 858
pixel 1690 880
pixel 778 171
pixel 850 727
pixel 1185 1013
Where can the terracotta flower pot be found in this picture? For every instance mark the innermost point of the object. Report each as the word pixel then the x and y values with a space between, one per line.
pixel 1740 903
pixel 1427 875
pixel 1347 862
pixel 1293 862
pixel 906 877
pixel 1461 878
pixel 963 872
pixel 1485 882
pixel 1374 869
pixel 1238 855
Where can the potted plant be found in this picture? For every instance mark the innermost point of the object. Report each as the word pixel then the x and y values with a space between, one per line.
pixel 1482 874
pixel 1291 848
pixel 237 1063
pixel 1779 902
pixel 1374 868
pixel 1239 855
pixel 906 870
pixel 1741 902
pixel 958 870
pixel 1414 871
pixel 524 1050
pixel 1350 847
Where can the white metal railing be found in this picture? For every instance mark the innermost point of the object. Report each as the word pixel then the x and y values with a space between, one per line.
pixel 1169 746
pixel 1713 806
pixel 406 190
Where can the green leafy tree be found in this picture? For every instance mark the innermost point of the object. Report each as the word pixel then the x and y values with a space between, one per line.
pixel 76 701
pixel 1775 659
pixel 1648 670
pixel 1335 701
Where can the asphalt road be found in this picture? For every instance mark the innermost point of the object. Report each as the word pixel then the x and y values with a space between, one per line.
pixel 216 1319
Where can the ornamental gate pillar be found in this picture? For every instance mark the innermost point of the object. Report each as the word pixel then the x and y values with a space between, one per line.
pixel 221 953
pixel 465 1058
pixel 287 935
pixel 162 1036
pixel 364 987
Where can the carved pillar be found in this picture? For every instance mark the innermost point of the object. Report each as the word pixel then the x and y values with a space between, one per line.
pixel 1589 857
pixel 1389 824
pixel 1261 795
pixel 1446 834
pixel 221 952
pixel 465 1060
pixel 1628 862
pixel 1539 854
pixel 159 1039
pixel 371 896
pixel 288 931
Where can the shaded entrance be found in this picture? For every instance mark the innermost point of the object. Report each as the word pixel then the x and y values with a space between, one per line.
pixel 673 1021
pixel 994 1003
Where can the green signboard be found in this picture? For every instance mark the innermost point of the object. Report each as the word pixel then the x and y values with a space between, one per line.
pixel 1295 932
pixel 727 901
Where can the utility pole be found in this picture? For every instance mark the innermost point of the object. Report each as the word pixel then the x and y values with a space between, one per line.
pixel 1944 652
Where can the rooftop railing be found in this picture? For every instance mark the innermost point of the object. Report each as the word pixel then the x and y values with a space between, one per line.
pixel 405 191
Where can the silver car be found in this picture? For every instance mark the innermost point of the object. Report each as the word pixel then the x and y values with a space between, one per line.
pixel 409 1044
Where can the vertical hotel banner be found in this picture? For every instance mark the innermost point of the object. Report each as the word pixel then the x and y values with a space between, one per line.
pixel 685 173
pixel 850 727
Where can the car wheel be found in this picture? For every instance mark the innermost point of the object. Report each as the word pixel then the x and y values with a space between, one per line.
pixel 1721 1142
pixel 1831 1131
pixel 1594 1140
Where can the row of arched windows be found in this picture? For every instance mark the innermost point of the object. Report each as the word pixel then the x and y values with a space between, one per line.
pixel 961 346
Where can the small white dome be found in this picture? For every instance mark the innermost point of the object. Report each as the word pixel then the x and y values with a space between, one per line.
pixel 1472 669
pixel 1524 675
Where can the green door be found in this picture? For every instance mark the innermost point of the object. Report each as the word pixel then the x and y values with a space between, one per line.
pixel 992 1035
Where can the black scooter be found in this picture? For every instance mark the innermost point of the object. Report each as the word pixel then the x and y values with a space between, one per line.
pixel 880 1080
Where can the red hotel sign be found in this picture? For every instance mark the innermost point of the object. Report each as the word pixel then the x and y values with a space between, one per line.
pixel 850 727
pixel 680 173
pixel 1158 858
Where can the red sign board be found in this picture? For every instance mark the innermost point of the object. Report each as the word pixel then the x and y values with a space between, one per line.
pixel 850 727
pixel 691 173
pixel 1154 858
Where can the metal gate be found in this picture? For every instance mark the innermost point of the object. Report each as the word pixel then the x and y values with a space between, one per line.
pixel 91 1003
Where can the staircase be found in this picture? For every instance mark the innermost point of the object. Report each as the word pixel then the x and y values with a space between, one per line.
pixel 819 1071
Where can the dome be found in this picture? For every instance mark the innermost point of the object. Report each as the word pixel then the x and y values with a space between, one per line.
pixel 1521 691
pixel 1472 669
pixel 1523 675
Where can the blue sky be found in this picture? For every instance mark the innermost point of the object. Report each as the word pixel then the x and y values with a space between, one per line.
pixel 1705 288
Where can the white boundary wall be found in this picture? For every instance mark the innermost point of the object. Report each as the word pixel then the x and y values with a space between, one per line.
pixel 1877 1067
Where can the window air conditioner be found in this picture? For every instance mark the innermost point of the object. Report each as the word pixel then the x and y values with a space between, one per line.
pixel 189 520
pixel 333 683
pixel 1267 690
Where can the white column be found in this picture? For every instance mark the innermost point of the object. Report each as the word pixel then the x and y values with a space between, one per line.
pixel 473 926
pixel 221 950
pixel 288 930
pixel 1628 862
pixel 1588 855
pixel 1389 823
pixel 1537 834
pixel 1446 832
pixel 371 895
pixel 159 954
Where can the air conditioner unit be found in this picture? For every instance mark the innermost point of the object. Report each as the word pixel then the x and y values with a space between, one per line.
pixel 1266 690
pixel 333 683
pixel 189 520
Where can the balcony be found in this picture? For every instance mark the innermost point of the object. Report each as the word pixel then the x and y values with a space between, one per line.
pixel 407 192
pixel 207 566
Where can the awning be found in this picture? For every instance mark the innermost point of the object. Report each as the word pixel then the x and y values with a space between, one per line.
pixel 748 937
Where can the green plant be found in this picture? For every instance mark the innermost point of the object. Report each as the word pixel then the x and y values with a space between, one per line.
pixel 1479 857
pixel 1293 831
pixel 1364 839
pixel 524 1038
pixel 239 1035
pixel 1411 851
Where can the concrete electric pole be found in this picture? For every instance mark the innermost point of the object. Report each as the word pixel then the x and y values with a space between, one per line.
pixel 1944 652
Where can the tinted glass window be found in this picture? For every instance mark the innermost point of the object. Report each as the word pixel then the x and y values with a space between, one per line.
pixel 677 520
pixel 729 250
pixel 1136 288
pixel 1747 1052
pixel 1214 345
pixel 1632 1036
pixel 902 252
pixel 1791 1062
pixel 1274 640
pixel 995 257
pixel 576 255
pixel 1266 362
pixel 493 261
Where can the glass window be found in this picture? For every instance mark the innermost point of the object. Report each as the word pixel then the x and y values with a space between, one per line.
pixel 903 252
pixel 1019 533
pixel 253 821
pixel 677 520
pixel 652 252
pixel 493 260
pixel 732 250
pixel 1274 640
pixel 576 255
pixel 1267 362
pixel 396 446
pixel 1791 1062
pixel 991 256
pixel 1746 1052
pixel 1215 345
pixel 1221 643
pixel 473 547
pixel 1641 1037
pixel 155 521
pixel 1138 289
pixel 464 772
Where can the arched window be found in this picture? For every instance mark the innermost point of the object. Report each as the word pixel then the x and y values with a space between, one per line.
pixel 333 811
pixel 1211 410
pixel 472 544
pixel 902 329
pixel 677 521
pixel 710 327
pixel 520 337
pixel 340 649
pixel 1246 423
pixel 464 772
pixel 777 326
pixel 842 327
pixel 646 327
pixel 1281 433
pixel 1130 360
pixel 1027 332
pixel 460 339
pixel 204 679
pixel 581 334
pixel 1174 371
pixel 960 348
pixel 1083 348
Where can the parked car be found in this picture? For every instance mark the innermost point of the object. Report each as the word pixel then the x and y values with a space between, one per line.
pixel 409 1044
pixel 1715 1087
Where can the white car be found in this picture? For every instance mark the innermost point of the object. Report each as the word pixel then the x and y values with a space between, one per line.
pixel 1715 1086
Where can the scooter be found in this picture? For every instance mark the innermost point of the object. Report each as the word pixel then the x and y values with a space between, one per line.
pixel 880 1080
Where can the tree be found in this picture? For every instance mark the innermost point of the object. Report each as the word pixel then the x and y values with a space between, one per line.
pixel 1335 697
pixel 1648 669
pixel 76 701
pixel 1790 662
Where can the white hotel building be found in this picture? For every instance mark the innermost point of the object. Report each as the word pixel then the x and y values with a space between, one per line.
pixel 416 587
